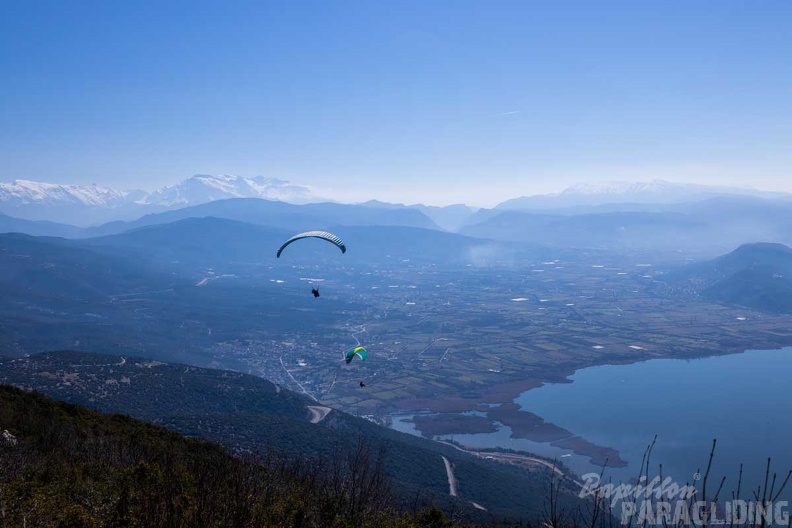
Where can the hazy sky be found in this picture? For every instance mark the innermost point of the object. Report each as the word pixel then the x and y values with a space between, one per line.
pixel 433 101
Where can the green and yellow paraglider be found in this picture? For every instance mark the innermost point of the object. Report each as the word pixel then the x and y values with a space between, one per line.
pixel 350 354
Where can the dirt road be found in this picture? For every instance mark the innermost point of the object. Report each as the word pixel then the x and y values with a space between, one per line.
pixel 452 481
pixel 318 413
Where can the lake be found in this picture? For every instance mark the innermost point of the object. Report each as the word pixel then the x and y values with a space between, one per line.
pixel 743 400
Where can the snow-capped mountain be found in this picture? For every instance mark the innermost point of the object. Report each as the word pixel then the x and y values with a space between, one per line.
pixel 654 187
pixel 24 192
pixel 203 188
pixel 94 204
pixel 620 192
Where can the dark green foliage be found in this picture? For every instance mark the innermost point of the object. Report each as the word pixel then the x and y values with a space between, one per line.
pixel 250 416
pixel 73 467
pixel 432 518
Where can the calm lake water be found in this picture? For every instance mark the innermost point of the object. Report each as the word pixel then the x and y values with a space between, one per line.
pixel 743 400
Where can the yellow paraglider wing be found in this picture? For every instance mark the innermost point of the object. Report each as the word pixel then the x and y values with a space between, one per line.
pixel 350 354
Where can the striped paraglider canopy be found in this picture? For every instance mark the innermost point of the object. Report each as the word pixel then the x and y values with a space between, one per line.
pixel 324 235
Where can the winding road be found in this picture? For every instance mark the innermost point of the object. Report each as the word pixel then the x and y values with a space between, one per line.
pixel 511 458
pixel 318 413
pixel 303 389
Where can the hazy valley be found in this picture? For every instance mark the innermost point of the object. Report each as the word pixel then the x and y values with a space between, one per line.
pixel 458 325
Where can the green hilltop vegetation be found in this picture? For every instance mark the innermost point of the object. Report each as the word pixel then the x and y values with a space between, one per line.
pixel 65 465
pixel 251 416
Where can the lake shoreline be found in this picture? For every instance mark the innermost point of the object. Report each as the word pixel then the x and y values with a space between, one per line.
pixel 500 407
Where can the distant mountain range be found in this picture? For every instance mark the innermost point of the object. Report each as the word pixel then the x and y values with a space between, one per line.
pixel 93 204
pixel 698 229
pixel 84 205
pixel 656 216
pixel 635 193
pixel 703 229
pixel 280 215
pixel 9 224
pixel 451 217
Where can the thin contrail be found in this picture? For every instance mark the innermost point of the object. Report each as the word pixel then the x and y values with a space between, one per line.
pixel 510 113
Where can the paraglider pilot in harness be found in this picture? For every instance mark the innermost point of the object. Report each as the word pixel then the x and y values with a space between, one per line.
pixel 323 235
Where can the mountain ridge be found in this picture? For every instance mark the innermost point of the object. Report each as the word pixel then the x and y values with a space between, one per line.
pixel 625 192
pixel 86 205
pixel 278 214
pixel 93 204
pixel 756 276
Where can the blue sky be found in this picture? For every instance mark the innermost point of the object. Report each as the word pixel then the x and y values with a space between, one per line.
pixel 438 102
